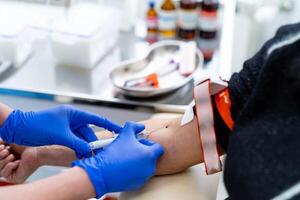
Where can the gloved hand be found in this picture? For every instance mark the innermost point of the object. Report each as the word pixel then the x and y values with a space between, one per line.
pixel 62 125
pixel 125 164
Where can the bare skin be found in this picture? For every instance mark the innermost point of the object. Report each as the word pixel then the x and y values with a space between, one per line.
pixel 181 143
pixel 17 163
pixel 58 187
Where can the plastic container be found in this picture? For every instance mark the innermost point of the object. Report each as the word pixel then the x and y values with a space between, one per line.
pixel 15 42
pixel 85 35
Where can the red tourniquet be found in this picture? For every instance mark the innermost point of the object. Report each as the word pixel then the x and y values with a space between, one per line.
pixel 206 130
pixel 223 104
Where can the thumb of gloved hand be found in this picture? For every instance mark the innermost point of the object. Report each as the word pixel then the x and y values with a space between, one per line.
pixel 155 147
pixel 81 147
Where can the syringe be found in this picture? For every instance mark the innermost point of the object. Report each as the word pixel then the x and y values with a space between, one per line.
pixel 102 143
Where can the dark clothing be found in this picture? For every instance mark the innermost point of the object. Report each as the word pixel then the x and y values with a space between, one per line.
pixel 263 153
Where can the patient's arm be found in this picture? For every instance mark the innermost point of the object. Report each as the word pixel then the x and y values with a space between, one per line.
pixel 181 143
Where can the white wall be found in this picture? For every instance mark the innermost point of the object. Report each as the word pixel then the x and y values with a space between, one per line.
pixel 256 22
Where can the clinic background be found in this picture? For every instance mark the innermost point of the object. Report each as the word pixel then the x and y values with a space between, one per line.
pixel 255 21
pixel 41 52
pixel 36 73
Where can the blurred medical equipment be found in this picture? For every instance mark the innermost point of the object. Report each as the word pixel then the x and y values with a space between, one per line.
pixel 80 33
pixel 128 9
pixel 21 25
pixel 151 80
pixel 167 20
pixel 85 35
pixel 104 142
pixel 187 19
pixel 152 23
pixel 188 57
pixel 91 80
pixel 209 27
pixel 5 66
pixel 14 43
pixel 41 74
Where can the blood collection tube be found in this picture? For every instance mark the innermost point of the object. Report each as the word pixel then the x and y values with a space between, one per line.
pixel 187 19
pixel 208 27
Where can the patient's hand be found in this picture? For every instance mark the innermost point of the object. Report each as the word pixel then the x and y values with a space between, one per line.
pixel 17 163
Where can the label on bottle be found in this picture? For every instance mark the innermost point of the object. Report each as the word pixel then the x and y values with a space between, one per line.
pixel 167 20
pixel 187 19
pixel 152 22
pixel 207 47
pixel 208 22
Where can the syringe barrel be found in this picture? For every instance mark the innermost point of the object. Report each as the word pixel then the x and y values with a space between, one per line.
pixel 102 143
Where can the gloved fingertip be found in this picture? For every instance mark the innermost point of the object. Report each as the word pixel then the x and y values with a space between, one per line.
pixel 158 149
pixel 96 151
pixel 79 156
pixel 147 142
pixel 132 128
pixel 139 127
pixel 82 148
pixel 86 133
pixel 112 126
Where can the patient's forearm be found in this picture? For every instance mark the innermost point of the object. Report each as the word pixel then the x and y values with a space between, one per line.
pixel 59 155
pixel 181 143
pixel 73 184
pixel 56 156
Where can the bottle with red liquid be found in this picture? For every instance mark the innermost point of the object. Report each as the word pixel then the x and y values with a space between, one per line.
pixel 187 19
pixel 152 23
pixel 208 27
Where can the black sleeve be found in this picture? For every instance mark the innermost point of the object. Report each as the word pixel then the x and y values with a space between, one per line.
pixel 240 87
pixel 241 84
pixel 222 131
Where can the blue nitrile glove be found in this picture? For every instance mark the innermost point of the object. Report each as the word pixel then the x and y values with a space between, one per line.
pixel 125 164
pixel 62 125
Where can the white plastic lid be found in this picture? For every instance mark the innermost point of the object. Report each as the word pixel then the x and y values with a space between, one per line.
pixel 84 20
